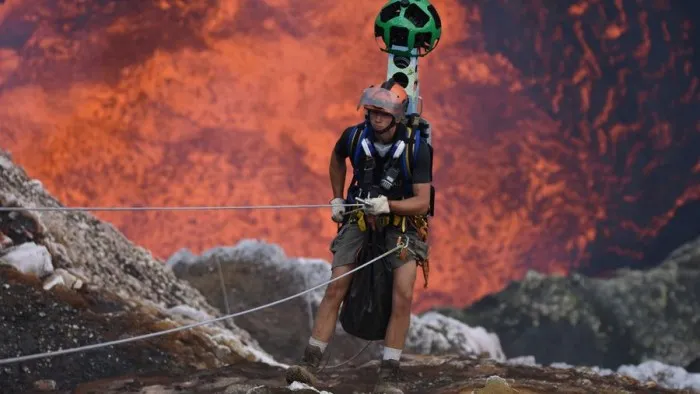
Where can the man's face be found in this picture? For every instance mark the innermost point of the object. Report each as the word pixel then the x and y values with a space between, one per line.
pixel 379 120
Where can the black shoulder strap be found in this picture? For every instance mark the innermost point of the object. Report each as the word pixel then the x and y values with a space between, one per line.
pixel 409 154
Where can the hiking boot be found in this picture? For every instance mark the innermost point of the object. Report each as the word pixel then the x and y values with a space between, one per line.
pixel 304 371
pixel 388 379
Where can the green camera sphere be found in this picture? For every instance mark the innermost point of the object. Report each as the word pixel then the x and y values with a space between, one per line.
pixel 411 24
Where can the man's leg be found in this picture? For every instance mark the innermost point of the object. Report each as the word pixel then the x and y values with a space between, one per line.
pixel 327 315
pixel 345 248
pixel 402 299
pixel 324 326
pixel 399 322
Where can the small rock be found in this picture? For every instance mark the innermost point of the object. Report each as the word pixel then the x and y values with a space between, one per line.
pixel 53 280
pixel 45 385
pixel 35 183
pixel 59 253
pixel 5 163
pixel 495 385
pixel 157 389
pixel 29 258
pixel 245 389
pixel 71 279
pixel 5 241
pixel 222 352
pixel 187 385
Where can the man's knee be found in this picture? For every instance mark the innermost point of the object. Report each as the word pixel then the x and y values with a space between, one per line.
pixel 404 279
pixel 335 291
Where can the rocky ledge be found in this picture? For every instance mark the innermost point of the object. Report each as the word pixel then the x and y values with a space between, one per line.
pixel 187 362
pixel 629 318
pixel 420 374
pixel 76 250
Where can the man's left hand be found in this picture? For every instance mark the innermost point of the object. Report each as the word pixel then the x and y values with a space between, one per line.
pixel 376 206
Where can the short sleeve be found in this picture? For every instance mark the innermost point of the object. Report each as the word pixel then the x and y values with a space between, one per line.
pixel 341 146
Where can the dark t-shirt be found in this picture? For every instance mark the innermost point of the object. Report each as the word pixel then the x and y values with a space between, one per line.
pixel 421 167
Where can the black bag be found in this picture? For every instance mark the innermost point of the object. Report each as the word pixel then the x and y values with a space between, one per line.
pixel 367 304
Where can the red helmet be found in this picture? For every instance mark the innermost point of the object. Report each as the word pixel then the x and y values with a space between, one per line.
pixel 390 98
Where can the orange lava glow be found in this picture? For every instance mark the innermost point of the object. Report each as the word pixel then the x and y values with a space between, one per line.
pixel 239 102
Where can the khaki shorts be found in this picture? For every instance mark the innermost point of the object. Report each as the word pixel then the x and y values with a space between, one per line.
pixel 350 238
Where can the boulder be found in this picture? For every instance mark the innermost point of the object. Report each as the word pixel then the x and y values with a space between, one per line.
pixel 28 258
pixel 254 273
pixel 629 318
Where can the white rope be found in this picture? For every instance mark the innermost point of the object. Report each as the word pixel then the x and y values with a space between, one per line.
pixel 222 283
pixel 400 245
pixel 326 366
pixel 174 208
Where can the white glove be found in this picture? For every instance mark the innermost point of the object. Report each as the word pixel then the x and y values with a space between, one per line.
pixel 338 208
pixel 376 206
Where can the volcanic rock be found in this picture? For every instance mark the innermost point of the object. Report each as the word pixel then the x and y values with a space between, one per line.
pixel 33 320
pixel 254 273
pixel 79 240
pixel 65 277
pixel 420 374
pixel 72 250
pixel 626 319
pixel 90 250
pixel 28 258
pixel 252 277
pixel 185 363
pixel 5 241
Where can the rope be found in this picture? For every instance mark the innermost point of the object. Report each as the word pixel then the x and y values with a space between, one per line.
pixel 223 284
pixel 174 208
pixel 400 245
pixel 326 366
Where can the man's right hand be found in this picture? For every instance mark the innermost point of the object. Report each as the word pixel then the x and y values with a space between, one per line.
pixel 338 208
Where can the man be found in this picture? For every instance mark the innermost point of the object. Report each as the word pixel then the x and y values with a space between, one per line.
pixel 404 205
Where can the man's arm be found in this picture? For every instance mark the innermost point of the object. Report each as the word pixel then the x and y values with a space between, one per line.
pixel 337 170
pixel 419 204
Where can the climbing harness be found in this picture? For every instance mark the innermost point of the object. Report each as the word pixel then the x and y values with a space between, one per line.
pixel 401 158
pixel 419 223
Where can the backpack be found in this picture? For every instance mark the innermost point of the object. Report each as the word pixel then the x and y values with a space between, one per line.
pixel 366 308
pixel 412 139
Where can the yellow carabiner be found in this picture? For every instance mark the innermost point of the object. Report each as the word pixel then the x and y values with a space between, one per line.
pixel 361 221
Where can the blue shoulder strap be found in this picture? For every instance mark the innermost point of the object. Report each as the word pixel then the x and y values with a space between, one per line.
pixel 358 147
pixel 416 146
